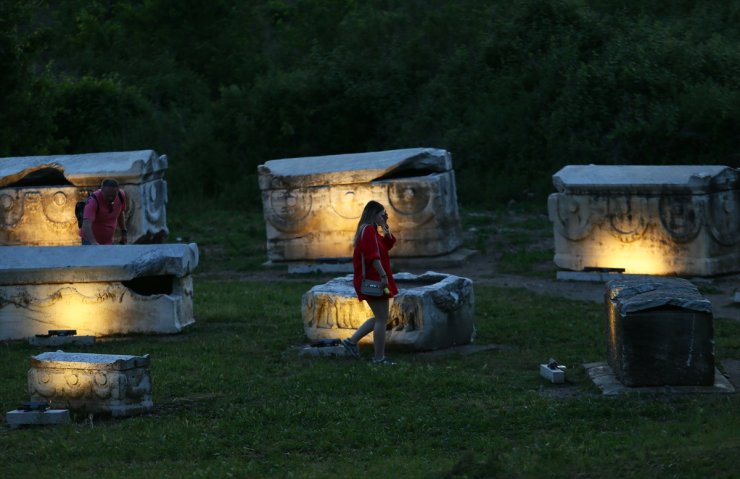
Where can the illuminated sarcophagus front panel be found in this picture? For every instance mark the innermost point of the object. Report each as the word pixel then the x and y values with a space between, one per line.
pixel 92 383
pixel 647 219
pixel 312 205
pixel 38 195
pixel 431 311
pixel 96 290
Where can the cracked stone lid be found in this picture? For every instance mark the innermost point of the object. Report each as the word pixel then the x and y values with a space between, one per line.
pixel 111 362
pixel 641 294
pixel 87 264
pixel 86 170
pixel 352 168
pixel 646 179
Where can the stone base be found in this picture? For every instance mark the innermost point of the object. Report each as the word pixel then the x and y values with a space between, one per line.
pixel 53 341
pixel 92 383
pixel 431 311
pixel 18 418
pixel 604 378
pixel 593 276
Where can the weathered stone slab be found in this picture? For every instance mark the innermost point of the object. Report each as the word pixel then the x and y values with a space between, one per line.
pixel 38 195
pixel 604 378
pixel 95 383
pixel 659 332
pixel 18 418
pixel 96 290
pixel 647 219
pixel 431 311
pixel 312 205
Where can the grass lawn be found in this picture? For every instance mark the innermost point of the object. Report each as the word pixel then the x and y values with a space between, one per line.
pixel 232 399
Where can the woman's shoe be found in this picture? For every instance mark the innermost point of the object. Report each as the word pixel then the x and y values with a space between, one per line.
pixel 351 348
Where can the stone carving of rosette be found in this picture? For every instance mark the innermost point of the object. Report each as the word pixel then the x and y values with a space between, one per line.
pixel 41 384
pixel 59 208
pixel 572 216
pixel 103 386
pixel 724 216
pixel 348 201
pixel 627 217
pixel 11 209
pixel 287 210
pixel 411 200
pixel 682 216
pixel 154 200
pixel 76 384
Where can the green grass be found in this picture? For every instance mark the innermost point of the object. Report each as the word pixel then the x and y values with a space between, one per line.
pixel 233 400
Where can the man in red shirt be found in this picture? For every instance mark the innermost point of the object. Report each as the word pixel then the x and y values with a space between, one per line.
pixel 103 211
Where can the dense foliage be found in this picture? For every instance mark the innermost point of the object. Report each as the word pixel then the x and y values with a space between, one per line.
pixel 513 89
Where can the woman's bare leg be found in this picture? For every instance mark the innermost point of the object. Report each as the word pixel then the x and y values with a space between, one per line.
pixel 363 330
pixel 380 309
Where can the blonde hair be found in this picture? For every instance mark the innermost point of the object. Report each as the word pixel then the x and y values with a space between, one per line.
pixel 371 210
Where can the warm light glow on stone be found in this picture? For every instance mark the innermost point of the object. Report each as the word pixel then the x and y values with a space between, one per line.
pixel 640 257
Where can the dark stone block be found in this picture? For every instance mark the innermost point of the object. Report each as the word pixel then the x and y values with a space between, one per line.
pixel 660 332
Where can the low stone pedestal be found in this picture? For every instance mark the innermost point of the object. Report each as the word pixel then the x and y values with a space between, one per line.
pixel 647 219
pixel 96 290
pixel 312 205
pixel 38 195
pixel 431 311
pixel 604 378
pixel 18 417
pixel 660 332
pixel 94 383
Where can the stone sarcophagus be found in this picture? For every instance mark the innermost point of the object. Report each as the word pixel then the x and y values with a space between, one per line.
pixel 647 219
pixel 659 332
pixel 38 195
pixel 96 290
pixel 92 383
pixel 312 205
pixel 431 311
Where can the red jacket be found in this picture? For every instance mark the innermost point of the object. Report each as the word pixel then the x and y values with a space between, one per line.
pixel 372 246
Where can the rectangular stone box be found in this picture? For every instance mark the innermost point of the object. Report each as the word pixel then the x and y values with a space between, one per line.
pixel 431 311
pixel 659 333
pixel 38 195
pixel 647 219
pixel 555 376
pixel 18 418
pixel 312 205
pixel 96 290
pixel 92 383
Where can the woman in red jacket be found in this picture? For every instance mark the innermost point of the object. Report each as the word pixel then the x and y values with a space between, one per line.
pixel 372 248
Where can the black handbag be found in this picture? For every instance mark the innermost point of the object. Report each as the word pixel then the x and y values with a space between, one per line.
pixel 370 287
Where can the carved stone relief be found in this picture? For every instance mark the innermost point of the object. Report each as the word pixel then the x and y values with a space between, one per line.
pixel 44 214
pixel 92 383
pixel 312 205
pixel 108 290
pixel 647 219
pixel 431 311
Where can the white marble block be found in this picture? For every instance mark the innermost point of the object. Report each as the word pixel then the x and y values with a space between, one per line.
pixel 92 383
pixel 96 290
pixel 312 205
pixel 647 219
pixel 431 311
pixel 38 195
